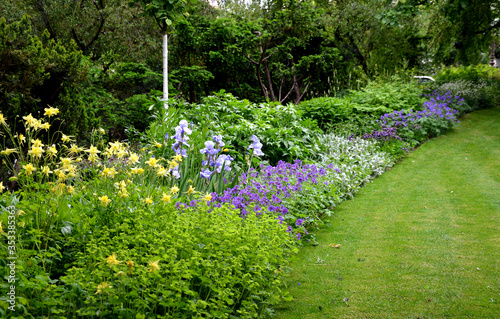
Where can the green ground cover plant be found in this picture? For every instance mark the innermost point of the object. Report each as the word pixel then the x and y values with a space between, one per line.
pixel 420 241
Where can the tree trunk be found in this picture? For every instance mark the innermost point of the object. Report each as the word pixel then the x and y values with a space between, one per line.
pixel 269 81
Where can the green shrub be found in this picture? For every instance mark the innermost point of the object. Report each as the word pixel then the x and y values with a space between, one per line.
pixel 327 111
pixel 194 264
pixel 285 134
pixel 384 97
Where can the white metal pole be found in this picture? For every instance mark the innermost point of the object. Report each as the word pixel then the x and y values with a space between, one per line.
pixel 165 69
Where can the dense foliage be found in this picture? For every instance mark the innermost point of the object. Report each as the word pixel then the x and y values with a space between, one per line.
pixel 116 206
pixel 197 218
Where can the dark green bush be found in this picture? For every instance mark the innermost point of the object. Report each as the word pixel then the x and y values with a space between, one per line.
pixel 132 78
pixel 327 111
pixel 38 73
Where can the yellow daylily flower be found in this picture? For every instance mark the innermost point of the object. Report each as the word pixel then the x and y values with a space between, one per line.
pixel 93 150
pixel 122 185
pixel 152 162
pixel 66 162
pixel 44 126
pixel 37 143
pixel 178 158
pixel 102 286
pixel 65 138
pixel 162 172
pixel 207 197
pixel 74 149
pixel 121 153
pixel 36 151
pixel 3 120
pixel 174 190
pixel 30 120
pixel 46 170
pixel 51 111
pixel 137 170
pixel 22 139
pixel 148 201
pixel 124 193
pixel 115 147
pixel 108 172
pixel 166 198
pixel 104 200
pixel 133 158
pixel 37 124
pixel 52 151
pixel 111 260
pixel 101 130
pixel 1 187
pixel 29 168
pixel 8 151
pixel 172 164
pixel 61 177
pixel 157 144
pixel 71 170
pixel 190 190
pixel 154 265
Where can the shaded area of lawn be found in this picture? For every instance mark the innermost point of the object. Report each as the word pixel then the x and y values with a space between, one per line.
pixel 421 241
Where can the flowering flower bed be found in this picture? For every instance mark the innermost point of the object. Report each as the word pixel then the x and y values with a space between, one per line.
pixel 174 229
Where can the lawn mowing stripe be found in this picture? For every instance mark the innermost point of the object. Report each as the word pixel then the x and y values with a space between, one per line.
pixel 421 241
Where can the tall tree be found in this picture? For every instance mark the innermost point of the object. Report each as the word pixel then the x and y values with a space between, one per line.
pixel 463 29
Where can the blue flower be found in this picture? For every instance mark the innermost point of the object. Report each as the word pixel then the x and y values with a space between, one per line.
pixel 256 146
pixel 218 140
pixel 183 124
pixel 206 173
pixel 223 161
pixel 209 148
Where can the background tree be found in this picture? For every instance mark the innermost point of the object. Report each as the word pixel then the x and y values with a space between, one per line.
pixel 463 29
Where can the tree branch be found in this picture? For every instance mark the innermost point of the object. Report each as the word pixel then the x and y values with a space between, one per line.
pixel 254 62
pixel 77 40
pixel 45 19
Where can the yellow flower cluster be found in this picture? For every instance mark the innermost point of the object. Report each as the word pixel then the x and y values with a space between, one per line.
pixel 113 261
pixel 34 123
pixel 122 186
pixel 116 149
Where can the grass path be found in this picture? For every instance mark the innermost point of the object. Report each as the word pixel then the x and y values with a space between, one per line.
pixel 421 241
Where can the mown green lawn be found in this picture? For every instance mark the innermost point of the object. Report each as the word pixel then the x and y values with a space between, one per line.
pixel 421 241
